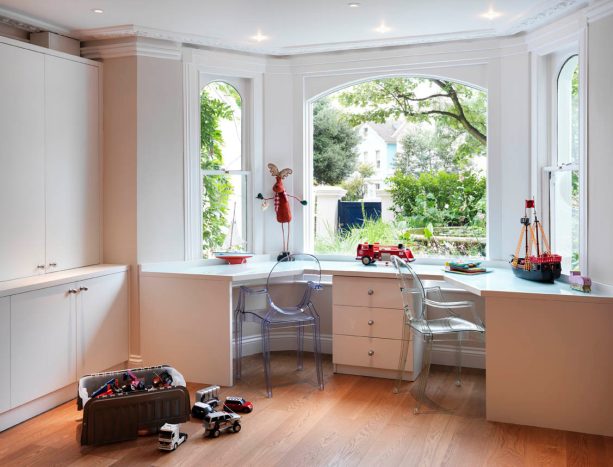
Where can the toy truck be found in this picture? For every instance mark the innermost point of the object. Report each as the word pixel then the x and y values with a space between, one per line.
pixel 216 422
pixel 368 253
pixel 170 438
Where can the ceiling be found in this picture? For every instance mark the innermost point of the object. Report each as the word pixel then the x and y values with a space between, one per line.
pixel 290 26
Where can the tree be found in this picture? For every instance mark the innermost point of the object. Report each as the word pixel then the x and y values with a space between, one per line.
pixel 427 149
pixel 356 185
pixel 216 189
pixel 334 145
pixel 421 99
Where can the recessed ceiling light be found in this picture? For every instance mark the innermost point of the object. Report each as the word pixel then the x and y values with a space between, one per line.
pixel 491 14
pixel 259 37
pixel 98 11
pixel 382 28
pixel 353 5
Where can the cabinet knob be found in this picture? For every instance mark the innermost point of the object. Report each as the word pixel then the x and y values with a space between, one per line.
pixel 371 353
pixel 370 322
pixel 371 291
pixel 73 291
pixel 40 266
pixel 83 289
pixel 52 265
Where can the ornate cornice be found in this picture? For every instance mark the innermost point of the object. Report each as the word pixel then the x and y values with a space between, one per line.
pixel 28 23
pixel 552 11
pixel 132 46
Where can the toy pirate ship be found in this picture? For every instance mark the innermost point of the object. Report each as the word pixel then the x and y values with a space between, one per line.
pixel 545 266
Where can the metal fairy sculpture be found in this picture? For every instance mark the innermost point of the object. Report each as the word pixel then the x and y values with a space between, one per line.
pixel 282 207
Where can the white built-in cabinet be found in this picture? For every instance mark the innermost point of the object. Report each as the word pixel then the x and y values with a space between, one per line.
pixel 43 343
pixel 22 168
pixel 71 164
pixel 5 351
pixel 51 336
pixel 49 162
pixel 102 323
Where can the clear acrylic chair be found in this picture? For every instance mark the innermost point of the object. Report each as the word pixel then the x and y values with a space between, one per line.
pixel 417 300
pixel 283 311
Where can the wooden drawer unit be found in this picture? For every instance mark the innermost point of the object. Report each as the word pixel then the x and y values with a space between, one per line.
pixel 367 292
pixel 369 322
pixel 369 352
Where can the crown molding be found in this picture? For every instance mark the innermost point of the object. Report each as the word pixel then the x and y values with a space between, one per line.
pixel 598 10
pixel 29 23
pixel 133 46
pixel 547 13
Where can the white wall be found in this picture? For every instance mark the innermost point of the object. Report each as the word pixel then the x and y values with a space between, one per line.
pixel 160 160
pixel 600 150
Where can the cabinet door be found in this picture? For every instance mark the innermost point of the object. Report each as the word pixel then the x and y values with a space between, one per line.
pixel 5 352
pixel 22 184
pixel 72 165
pixel 102 323
pixel 43 342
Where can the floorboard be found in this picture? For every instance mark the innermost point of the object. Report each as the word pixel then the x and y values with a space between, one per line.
pixel 354 421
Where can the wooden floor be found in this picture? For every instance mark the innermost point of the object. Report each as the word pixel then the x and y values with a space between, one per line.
pixel 354 421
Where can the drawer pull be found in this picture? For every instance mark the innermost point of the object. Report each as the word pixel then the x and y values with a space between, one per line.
pixel 370 322
pixel 83 289
pixel 73 291
pixel 371 291
pixel 52 265
pixel 371 353
pixel 40 266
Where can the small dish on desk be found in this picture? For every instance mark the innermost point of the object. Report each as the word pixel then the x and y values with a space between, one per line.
pixel 467 268
pixel 233 257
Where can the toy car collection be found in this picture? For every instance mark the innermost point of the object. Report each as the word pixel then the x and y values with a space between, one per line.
pixel 216 422
pixel 170 438
pixel 237 404
pixel 368 253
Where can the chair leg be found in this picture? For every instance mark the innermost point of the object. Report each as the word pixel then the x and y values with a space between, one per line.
pixel 317 351
pixel 266 357
pixel 423 376
pixel 458 381
pixel 404 349
pixel 300 347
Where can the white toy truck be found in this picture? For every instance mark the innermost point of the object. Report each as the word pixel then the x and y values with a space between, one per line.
pixel 170 438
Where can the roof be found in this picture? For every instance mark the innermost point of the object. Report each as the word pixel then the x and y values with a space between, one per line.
pixel 387 131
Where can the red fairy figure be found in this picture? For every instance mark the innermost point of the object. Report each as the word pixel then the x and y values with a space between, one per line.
pixel 282 207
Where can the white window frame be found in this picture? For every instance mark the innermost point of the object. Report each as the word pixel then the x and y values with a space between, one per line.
pixel 547 62
pixel 199 69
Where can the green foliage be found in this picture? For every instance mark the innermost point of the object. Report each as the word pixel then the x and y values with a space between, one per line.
pixel 216 189
pixel 440 198
pixel 356 185
pixel 392 233
pixel 440 102
pixel 334 145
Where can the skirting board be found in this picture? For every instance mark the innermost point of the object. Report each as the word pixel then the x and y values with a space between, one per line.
pixel 472 357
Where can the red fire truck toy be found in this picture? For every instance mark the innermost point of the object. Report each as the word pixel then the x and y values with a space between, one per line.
pixel 368 253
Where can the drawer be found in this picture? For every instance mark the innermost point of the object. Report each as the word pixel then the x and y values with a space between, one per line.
pixel 368 322
pixel 354 351
pixel 367 291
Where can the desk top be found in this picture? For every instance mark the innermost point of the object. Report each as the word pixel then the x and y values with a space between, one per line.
pixel 500 283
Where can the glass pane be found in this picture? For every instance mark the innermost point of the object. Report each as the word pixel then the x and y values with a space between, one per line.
pixel 568 112
pixel 565 217
pixel 224 213
pixel 220 127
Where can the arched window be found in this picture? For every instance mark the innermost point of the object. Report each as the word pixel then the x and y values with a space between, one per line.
pixel 564 175
pixel 414 172
pixel 224 180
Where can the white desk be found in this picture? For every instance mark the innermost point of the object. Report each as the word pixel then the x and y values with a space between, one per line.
pixel 548 348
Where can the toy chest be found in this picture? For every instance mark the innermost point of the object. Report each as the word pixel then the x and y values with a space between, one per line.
pixel 109 419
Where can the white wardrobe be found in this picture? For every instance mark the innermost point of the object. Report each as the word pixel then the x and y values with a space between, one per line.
pixel 49 161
